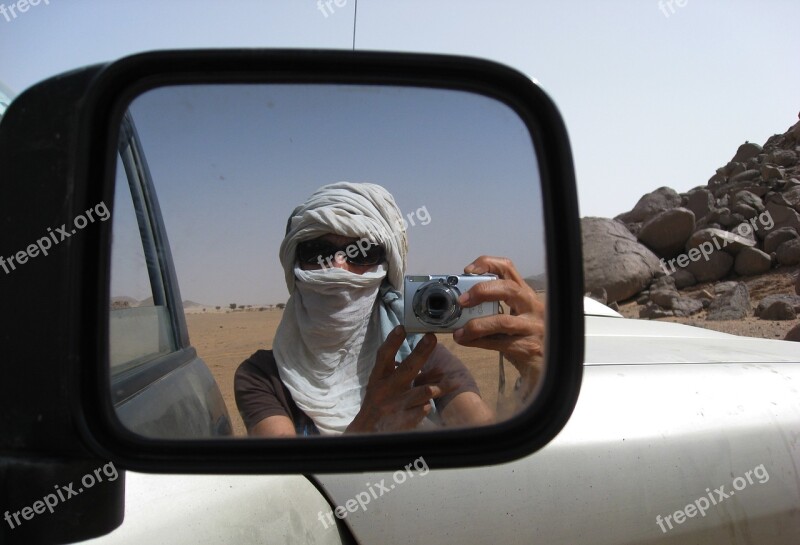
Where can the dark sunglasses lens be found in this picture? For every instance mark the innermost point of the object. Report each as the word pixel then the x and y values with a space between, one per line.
pixel 312 251
pixel 371 256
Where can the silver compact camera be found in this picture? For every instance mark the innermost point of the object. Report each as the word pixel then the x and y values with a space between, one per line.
pixel 431 302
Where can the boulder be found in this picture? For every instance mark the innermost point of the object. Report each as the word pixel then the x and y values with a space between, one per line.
pixel 766 302
pixel 599 295
pixel 731 302
pixel 778 237
pixel 651 204
pixel 782 216
pixel 652 310
pixel 782 157
pixel 700 202
pixel 686 306
pixel 718 240
pixel 791 195
pixel 746 176
pixel 746 151
pixel 793 334
pixel 746 230
pixel 752 261
pixel 613 259
pixel 789 252
pixel 749 198
pixel 683 279
pixel 666 233
pixel 778 310
pixel 717 266
pixel 771 172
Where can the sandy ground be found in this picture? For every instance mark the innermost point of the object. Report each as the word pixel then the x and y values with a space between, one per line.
pixel 224 340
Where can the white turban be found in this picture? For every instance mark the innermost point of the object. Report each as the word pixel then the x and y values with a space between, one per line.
pixel 335 320
pixel 351 210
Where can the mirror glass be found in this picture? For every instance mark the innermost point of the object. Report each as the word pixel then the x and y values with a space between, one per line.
pixel 213 217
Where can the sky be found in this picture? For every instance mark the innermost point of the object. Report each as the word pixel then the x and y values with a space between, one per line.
pixel 653 93
pixel 230 163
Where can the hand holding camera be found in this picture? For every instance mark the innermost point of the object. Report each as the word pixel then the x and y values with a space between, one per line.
pixel 518 335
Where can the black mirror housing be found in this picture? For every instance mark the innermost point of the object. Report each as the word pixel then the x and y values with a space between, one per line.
pixel 57 145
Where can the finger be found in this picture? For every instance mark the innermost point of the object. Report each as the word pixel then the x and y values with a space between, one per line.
pixel 520 299
pixel 384 358
pixel 407 419
pixel 501 266
pixel 411 366
pixel 515 349
pixel 499 324
pixel 437 378
pixel 420 395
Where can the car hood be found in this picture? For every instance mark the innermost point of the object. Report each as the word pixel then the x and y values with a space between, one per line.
pixel 652 342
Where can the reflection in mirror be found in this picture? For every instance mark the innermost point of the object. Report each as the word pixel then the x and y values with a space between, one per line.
pixel 278 236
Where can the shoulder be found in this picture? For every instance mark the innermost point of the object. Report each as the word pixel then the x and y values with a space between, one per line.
pixel 262 362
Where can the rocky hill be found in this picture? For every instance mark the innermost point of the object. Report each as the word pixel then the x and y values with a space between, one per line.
pixel 700 252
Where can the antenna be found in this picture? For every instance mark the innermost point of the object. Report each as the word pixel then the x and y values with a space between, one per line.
pixel 355 17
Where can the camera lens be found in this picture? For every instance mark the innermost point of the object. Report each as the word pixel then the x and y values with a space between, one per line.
pixel 436 303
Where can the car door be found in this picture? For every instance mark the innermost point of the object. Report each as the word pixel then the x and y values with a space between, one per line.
pixel 160 387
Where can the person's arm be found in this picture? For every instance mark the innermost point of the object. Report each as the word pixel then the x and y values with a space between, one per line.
pixel 467 409
pixel 259 398
pixel 274 426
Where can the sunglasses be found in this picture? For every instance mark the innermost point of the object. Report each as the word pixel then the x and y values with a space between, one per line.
pixel 322 253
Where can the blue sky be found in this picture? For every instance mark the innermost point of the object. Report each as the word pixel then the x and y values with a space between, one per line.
pixel 652 93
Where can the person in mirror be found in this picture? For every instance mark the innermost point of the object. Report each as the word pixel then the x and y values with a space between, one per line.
pixel 341 362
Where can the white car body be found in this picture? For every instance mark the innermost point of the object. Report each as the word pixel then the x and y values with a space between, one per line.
pixel 667 415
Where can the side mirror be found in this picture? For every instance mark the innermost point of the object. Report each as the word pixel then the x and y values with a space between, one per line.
pixel 198 159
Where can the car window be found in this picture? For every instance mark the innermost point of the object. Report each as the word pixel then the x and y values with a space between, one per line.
pixel 140 327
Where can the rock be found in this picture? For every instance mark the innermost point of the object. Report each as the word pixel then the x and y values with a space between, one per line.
pixel 766 302
pixel 614 260
pixel 746 230
pixel 643 298
pixel 599 295
pixel 664 297
pixel 652 310
pixel 666 233
pixel 789 252
pixel 778 310
pixel 746 176
pixel 791 195
pixel 715 267
pixel 683 279
pixel 716 239
pixel 732 302
pixel 686 306
pixel 784 158
pixel 751 261
pixel 749 198
pixel 778 237
pixel 797 285
pixel 744 210
pixel 746 151
pixel 771 172
pixel 793 334
pixel 782 216
pixel 651 204
pixel 700 202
